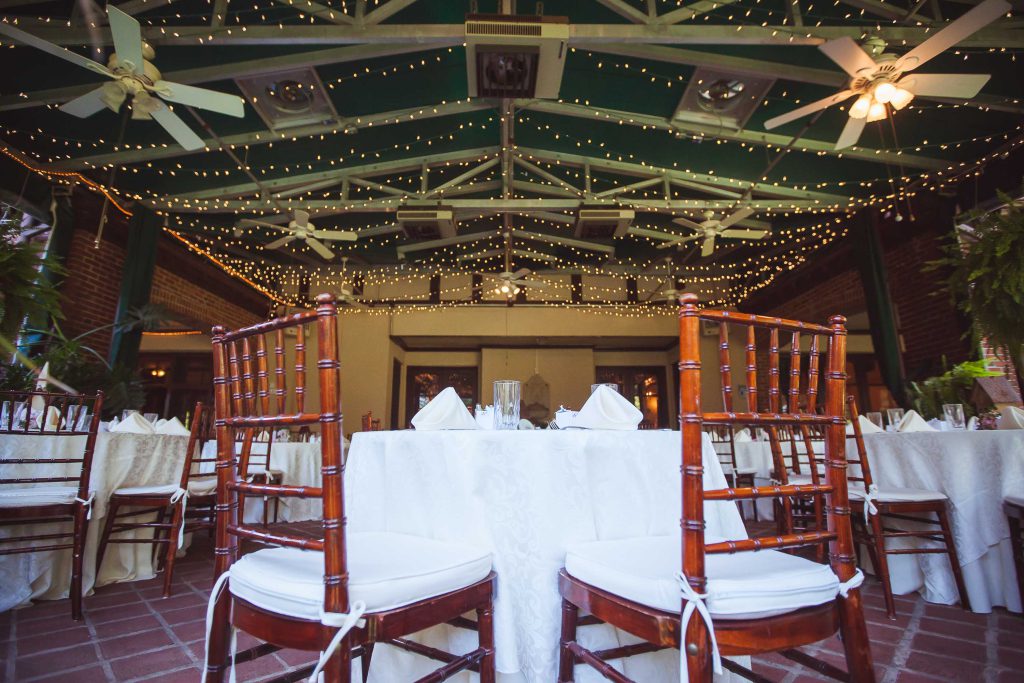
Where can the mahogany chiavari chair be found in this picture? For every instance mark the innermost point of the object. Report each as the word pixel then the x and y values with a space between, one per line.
pixel 1013 506
pixel 727 600
pixel 344 592
pixel 134 508
pixel 870 503
pixel 31 490
pixel 724 442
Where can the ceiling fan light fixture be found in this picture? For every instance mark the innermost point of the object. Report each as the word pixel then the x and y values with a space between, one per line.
pixel 901 98
pixel 884 92
pixel 876 112
pixel 860 108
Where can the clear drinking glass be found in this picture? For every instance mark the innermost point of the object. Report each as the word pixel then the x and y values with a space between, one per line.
pixel 506 404
pixel 954 415
pixel 894 415
pixel 151 417
pixel 611 385
pixel 875 419
pixel 126 413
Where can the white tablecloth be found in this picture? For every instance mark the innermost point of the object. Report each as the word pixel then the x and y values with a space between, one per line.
pixel 975 470
pixel 122 460
pixel 526 496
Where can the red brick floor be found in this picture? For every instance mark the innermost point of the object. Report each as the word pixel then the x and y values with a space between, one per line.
pixel 130 633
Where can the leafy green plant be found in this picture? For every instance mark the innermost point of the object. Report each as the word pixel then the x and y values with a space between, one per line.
pixel 986 276
pixel 23 291
pixel 953 386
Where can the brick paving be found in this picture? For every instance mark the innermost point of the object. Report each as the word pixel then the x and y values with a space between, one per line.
pixel 130 633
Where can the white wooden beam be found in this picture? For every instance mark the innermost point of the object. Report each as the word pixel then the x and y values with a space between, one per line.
pixel 625 10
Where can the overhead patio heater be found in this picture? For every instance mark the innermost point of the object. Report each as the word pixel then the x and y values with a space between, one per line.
pixel 515 56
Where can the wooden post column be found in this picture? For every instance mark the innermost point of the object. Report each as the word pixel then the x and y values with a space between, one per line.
pixel 136 283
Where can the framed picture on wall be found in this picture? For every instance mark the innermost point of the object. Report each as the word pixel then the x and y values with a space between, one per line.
pixel 709 328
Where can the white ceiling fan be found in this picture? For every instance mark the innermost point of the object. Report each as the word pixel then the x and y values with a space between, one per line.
pixel 135 76
pixel 345 294
pixel 670 294
pixel 299 228
pixel 509 283
pixel 712 227
pixel 885 82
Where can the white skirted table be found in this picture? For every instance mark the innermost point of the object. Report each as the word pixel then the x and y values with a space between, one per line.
pixel 123 460
pixel 975 470
pixel 526 496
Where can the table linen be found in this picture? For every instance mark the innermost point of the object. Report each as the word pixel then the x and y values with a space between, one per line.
pixel 975 470
pixel 526 496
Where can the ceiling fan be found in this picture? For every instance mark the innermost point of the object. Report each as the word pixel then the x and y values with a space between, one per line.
pixel 667 295
pixel 884 82
pixel 300 228
pixel 712 227
pixel 345 294
pixel 135 77
pixel 509 283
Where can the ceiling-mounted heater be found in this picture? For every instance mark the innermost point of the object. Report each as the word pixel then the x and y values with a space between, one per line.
pixel 515 56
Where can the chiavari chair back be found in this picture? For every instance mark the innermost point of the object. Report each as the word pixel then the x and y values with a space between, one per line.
pixel 782 600
pixel 45 480
pixel 342 592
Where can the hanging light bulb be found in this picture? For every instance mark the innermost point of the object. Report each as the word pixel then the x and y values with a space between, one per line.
pixel 884 92
pixel 901 98
pixel 860 108
pixel 504 289
pixel 876 112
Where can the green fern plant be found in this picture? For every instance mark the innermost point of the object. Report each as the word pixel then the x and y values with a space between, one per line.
pixel 953 386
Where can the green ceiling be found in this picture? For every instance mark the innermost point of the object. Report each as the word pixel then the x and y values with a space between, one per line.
pixel 928 135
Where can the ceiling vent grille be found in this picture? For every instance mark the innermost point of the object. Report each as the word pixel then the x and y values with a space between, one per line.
pixel 517 56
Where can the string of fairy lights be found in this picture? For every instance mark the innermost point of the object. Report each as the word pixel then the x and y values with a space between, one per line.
pixel 798 229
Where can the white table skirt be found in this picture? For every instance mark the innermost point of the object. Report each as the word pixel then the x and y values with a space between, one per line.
pixel 526 496
pixel 123 460
pixel 975 470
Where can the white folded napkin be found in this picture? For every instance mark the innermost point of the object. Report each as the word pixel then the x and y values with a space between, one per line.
pixel 172 426
pixel 158 424
pixel 565 418
pixel 1012 418
pixel 912 422
pixel 484 417
pixel 52 419
pixel 445 411
pixel 972 424
pixel 133 424
pixel 742 436
pixel 867 426
pixel 607 409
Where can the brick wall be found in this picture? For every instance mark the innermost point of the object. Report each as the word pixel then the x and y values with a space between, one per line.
pixel 196 292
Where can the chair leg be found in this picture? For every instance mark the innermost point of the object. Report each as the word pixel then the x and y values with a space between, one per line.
pixel 954 560
pixel 78 551
pixel 881 562
pixel 566 659
pixel 1018 552
pixel 158 533
pixel 854 634
pixel 172 547
pixel 108 524
pixel 365 660
pixel 339 667
pixel 219 639
pixel 485 632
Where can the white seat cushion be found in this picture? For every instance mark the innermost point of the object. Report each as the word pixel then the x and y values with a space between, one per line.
pixel 386 570
pixel 745 585
pixel 167 489
pixel 202 487
pixel 894 495
pixel 799 479
pixel 37 495
pixel 1015 500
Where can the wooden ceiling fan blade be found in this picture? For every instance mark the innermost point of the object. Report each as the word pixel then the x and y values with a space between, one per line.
pixel 850 56
pixel 708 247
pixel 320 248
pixel 127 35
pixel 300 218
pixel 529 283
pixel 521 273
pixel 201 98
pixel 737 215
pixel 687 223
pixel 851 133
pixel 970 22
pixel 172 123
pixel 337 235
pixel 278 243
pixel 85 105
pixel 945 85
pixel 743 234
pixel 55 50
pixel 809 109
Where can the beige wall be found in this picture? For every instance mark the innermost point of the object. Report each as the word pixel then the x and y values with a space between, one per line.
pixel 568 372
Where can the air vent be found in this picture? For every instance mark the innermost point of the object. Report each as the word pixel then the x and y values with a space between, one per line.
pixel 285 99
pixel 516 56
pixel 603 223
pixel 721 98
pixel 434 223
